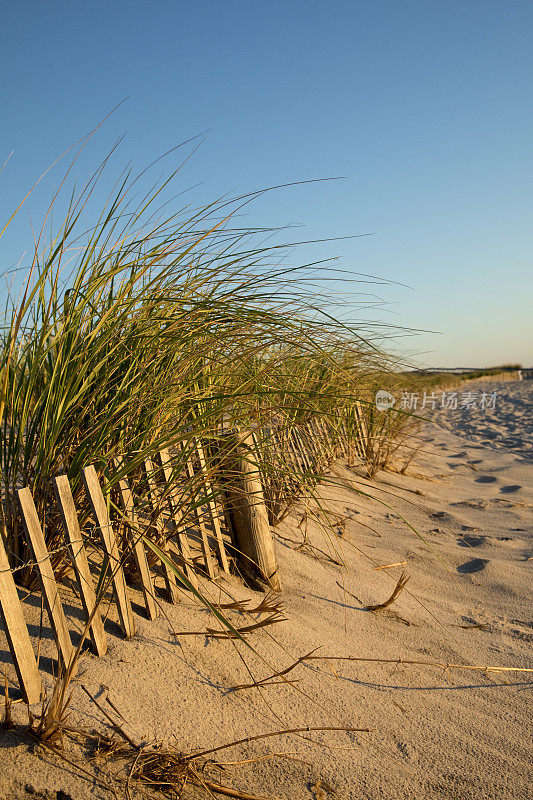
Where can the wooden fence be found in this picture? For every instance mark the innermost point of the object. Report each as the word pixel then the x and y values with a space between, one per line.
pixel 224 535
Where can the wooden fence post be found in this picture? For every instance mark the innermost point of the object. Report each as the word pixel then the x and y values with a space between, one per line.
pixel 17 634
pixel 362 441
pixel 79 562
pixel 248 511
pixel 212 508
pixel 153 494
pixel 137 545
pixel 166 464
pixel 96 498
pixel 201 525
pixel 44 569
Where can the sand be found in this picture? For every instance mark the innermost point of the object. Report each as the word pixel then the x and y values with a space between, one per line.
pixel 508 425
pixel 433 733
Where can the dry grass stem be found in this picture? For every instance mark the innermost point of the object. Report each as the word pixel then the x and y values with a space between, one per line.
pixel 267 681
pixel 348 593
pixel 402 580
pixel 408 662
pixel 118 728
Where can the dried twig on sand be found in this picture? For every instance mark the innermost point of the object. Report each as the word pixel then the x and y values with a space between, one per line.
pixel 271 602
pixel 115 725
pixel 271 620
pixel 405 662
pixel 402 580
pixel 307 729
pixel 170 771
pixel 269 681
pixel 345 590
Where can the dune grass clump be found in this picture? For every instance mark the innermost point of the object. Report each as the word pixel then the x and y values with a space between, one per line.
pixel 146 329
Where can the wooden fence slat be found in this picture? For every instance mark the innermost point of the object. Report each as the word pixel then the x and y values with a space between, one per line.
pixel 346 448
pixel 137 544
pixel 201 524
pixel 342 444
pixel 320 445
pixel 354 437
pixel 96 498
pixel 153 493
pixel 300 445
pixel 296 450
pixel 17 634
pixel 307 449
pixel 248 511
pixel 284 444
pixel 165 460
pixel 323 428
pixel 46 575
pixel 351 438
pixel 314 442
pixel 310 447
pixel 79 562
pixel 212 509
pixel 362 442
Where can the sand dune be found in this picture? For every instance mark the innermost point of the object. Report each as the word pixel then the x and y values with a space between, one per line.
pixel 434 733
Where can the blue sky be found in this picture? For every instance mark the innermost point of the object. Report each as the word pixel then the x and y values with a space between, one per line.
pixel 425 107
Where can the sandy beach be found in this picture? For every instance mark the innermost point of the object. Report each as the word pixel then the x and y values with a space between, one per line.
pixel 266 413
pixel 503 423
pixel 432 732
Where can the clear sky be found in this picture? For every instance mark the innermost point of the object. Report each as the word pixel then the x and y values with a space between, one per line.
pixel 425 107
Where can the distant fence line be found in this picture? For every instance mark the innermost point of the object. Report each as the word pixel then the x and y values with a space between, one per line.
pixel 467 370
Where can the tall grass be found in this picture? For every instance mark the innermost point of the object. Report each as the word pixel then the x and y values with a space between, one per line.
pixel 148 329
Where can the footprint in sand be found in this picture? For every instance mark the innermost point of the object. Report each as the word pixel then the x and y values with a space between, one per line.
pixel 445 517
pixel 522 631
pixel 458 455
pixel 474 565
pixel 486 479
pixel 471 541
pixel 510 489
pixel 474 503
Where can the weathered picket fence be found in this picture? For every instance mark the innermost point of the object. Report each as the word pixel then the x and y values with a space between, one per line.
pixel 230 532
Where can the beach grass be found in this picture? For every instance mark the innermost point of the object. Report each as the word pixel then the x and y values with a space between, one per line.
pixel 146 328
